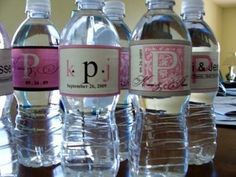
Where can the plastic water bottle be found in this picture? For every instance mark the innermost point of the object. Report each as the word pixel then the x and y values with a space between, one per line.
pixel 160 77
pixel 35 79
pixel 74 11
pixel 115 11
pixel 8 162
pixel 205 80
pixel 89 85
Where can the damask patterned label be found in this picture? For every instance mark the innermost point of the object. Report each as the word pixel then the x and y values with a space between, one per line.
pixel 124 68
pixel 158 68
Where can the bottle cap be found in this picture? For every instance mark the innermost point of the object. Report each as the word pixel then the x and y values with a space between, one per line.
pixel 116 7
pixel 192 6
pixel 38 5
pixel 93 4
pixel 153 1
pixel 89 1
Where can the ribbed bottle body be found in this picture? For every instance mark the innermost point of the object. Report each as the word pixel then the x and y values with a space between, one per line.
pixel 124 114
pixel 201 125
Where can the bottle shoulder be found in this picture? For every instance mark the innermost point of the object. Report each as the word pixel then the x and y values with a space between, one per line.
pixel 160 25
pixel 4 38
pixel 89 29
pixel 200 33
pixel 36 32
pixel 123 30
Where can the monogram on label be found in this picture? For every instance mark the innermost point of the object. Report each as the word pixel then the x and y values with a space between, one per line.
pixel 161 68
pixel 34 71
pixel 203 64
pixel 90 74
pixel 204 68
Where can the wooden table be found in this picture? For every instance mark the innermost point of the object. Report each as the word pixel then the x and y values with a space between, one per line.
pixel 224 164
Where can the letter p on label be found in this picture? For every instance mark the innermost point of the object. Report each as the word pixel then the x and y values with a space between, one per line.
pixel 30 61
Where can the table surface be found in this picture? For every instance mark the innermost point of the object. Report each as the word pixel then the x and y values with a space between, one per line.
pixel 223 165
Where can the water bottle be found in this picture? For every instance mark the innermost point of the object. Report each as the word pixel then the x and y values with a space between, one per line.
pixel 115 11
pixel 205 75
pixel 35 80
pixel 8 162
pixel 74 11
pixel 89 85
pixel 160 77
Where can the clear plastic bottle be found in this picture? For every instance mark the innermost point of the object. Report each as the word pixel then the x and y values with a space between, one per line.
pixel 74 11
pixel 115 11
pixel 205 79
pixel 36 82
pixel 8 162
pixel 89 84
pixel 160 77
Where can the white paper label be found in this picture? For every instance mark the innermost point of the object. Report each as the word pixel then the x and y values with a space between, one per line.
pixel 205 71
pixel 89 70
pixel 6 86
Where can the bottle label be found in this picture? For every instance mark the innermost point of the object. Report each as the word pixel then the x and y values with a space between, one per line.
pixel 205 71
pixel 6 86
pixel 89 70
pixel 124 68
pixel 161 69
pixel 35 69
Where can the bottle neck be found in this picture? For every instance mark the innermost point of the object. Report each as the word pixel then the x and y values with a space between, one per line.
pixel 115 17
pixel 160 4
pixel 193 15
pixel 90 5
pixel 36 14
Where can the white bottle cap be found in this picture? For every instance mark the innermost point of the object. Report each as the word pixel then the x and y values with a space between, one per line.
pixel 89 1
pixel 192 6
pixel 38 5
pixel 116 7
pixel 153 1
pixel 90 4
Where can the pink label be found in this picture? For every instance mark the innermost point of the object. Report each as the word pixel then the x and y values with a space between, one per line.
pixel 35 68
pixel 89 70
pixel 124 68
pixel 160 68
